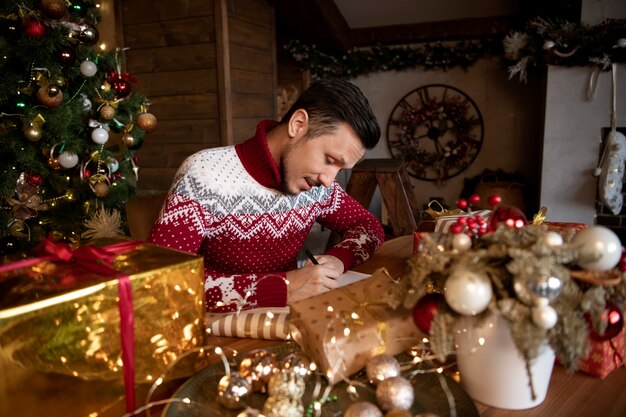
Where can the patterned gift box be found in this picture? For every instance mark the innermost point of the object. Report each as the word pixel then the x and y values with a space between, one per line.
pixel 343 328
pixel 444 222
pixel 604 356
pixel 258 323
pixel 62 317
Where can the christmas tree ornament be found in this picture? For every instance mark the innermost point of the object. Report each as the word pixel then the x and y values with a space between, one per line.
pixel 297 362
pixel 257 366
pixel 363 409
pixel 100 135
pixel 467 292
pixel 395 392
pixel 66 57
pixel 60 82
pixel 461 242
pixel 53 163
pixel 381 367
pixel 398 412
pixel 283 407
pixel 121 87
pixel 552 238
pixel 602 245
pixel 107 112
pixel 99 184
pixel 232 391
pixel 147 122
pixel 35 29
pixel 88 34
pixel 543 314
pixel 34 179
pixel 68 159
pixel 50 96
pixel 88 68
pixel 131 141
pixel 614 323
pixel 112 164
pixel 425 309
pixel 33 132
pixel 103 224
pixel 286 384
pixel 54 9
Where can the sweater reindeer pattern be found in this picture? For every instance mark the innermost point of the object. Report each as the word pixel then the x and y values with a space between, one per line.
pixel 226 204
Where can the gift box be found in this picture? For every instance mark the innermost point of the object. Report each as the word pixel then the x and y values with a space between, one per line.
pixel 604 356
pixel 69 313
pixel 444 222
pixel 258 323
pixel 343 328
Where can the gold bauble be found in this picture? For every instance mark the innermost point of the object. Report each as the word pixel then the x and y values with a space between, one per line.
pixel 55 9
pixel 129 140
pixel 147 122
pixel 47 100
pixel 107 112
pixel 101 189
pixel 33 133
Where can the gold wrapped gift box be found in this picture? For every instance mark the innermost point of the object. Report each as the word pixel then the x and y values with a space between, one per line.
pixel 56 317
pixel 343 328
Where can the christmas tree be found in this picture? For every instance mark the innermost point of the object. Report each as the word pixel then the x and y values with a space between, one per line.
pixel 69 127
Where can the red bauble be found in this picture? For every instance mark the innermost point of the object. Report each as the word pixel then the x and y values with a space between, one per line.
pixel 494 200
pixel 35 29
pixel 121 87
pixel 34 179
pixel 510 216
pixel 425 310
pixel 615 323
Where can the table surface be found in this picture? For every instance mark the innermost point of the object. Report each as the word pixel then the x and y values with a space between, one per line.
pixel 26 393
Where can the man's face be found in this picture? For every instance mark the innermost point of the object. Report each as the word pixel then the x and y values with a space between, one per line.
pixel 310 162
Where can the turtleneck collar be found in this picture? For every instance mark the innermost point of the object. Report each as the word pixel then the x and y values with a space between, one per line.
pixel 256 157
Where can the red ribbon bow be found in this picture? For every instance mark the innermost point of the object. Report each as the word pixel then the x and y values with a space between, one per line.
pixel 112 76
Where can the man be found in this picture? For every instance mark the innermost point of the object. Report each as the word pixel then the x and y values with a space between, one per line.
pixel 248 208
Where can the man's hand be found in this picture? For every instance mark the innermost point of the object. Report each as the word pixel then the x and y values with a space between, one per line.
pixel 313 279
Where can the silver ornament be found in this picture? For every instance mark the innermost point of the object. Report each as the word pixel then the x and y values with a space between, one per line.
pixel 257 366
pixel 362 409
pixel 299 362
pixel 529 289
pixel 232 391
pixel 283 407
pixel 395 392
pixel 286 384
pixel 381 367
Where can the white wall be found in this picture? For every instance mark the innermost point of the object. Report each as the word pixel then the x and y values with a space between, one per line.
pixel 512 114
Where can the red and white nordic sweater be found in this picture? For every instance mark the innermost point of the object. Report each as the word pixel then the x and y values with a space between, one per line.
pixel 226 204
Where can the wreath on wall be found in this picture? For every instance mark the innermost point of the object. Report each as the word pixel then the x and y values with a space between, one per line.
pixel 437 130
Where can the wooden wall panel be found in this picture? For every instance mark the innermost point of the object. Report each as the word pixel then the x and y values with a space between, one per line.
pixel 173 131
pixel 171 33
pixel 149 11
pixel 172 58
pixel 167 83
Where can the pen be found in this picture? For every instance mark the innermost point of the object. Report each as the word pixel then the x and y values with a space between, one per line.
pixel 311 257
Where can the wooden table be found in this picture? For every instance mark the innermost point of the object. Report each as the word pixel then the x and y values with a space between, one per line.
pixel 25 393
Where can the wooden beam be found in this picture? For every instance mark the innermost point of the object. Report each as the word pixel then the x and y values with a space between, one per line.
pixel 313 21
pixel 432 31
pixel 225 97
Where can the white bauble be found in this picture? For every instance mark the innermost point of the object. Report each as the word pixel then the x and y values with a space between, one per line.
pixel 553 239
pixel 461 242
pixel 601 242
pixel 544 315
pixel 88 68
pixel 100 135
pixel 467 292
pixel 68 159
pixel 112 164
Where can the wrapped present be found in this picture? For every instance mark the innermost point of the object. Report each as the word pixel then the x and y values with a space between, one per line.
pixel 343 328
pixel 444 222
pixel 257 323
pixel 102 312
pixel 604 356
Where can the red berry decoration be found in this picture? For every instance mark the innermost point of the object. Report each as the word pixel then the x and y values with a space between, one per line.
pixel 34 179
pixel 474 199
pixel 494 200
pixel 121 87
pixel 462 204
pixel 510 216
pixel 615 323
pixel 425 310
pixel 35 29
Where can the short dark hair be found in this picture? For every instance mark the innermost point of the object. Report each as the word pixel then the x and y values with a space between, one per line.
pixel 334 101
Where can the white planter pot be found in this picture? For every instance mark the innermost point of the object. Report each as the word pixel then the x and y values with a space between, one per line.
pixel 494 372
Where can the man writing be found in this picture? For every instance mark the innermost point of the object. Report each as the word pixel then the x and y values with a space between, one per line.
pixel 248 208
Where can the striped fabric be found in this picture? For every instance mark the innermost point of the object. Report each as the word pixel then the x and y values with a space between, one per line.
pixel 444 222
pixel 259 323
